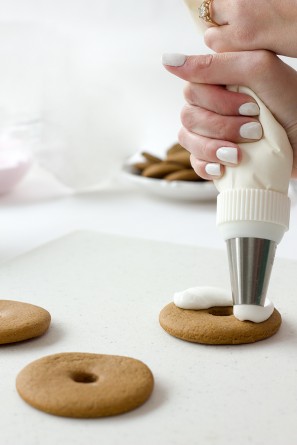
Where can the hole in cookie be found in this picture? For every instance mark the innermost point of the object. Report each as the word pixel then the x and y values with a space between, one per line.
pixel 84 377
pixel 218 311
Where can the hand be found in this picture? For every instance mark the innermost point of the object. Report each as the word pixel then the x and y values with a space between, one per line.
pixel 215 120
pixel 254 24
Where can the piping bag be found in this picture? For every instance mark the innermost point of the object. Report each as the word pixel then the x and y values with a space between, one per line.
pixel 253 207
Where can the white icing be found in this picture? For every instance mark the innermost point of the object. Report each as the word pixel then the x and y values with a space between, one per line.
pixel 204 297
pixel 254 313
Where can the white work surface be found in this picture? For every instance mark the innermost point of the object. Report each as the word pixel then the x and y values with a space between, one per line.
pixel 105 294
pixel 40 210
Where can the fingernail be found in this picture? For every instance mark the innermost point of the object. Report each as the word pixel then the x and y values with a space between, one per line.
pixel 249 109
pixel 173 59
pixel 251 130
pixel 228 154
pixel 213 169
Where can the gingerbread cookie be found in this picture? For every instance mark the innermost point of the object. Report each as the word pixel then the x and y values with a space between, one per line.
pixel 85 385
pixel 181 157
pixel 183 175
pixel 21 321
pixel 175 167
pixel 161 169
pixel 215 326
pixel 151 158
pixel 175 148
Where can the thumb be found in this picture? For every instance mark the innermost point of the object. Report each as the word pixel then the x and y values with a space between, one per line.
pixel 234 68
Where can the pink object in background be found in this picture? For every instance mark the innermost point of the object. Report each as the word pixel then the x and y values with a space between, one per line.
pixel 15 162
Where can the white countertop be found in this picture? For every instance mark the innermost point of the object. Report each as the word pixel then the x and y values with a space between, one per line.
pixel 105 294
pixel 243 395
pixel 40 210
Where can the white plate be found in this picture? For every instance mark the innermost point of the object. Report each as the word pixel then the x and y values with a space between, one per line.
pixel 182 190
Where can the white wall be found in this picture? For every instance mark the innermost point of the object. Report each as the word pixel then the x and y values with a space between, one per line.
pixel 93 69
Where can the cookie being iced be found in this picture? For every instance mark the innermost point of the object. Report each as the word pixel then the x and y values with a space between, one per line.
pixel 205 315
pixel 204 297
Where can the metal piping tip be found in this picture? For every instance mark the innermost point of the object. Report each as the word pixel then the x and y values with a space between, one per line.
pixel 250 265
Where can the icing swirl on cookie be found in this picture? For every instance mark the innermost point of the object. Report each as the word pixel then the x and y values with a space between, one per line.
pixel 204 297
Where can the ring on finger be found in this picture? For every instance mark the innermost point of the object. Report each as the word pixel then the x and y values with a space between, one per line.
pixel 205 12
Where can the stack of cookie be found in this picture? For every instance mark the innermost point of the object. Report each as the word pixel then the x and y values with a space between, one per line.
pixel 175 167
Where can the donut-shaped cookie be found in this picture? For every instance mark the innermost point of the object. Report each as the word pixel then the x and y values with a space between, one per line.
pixel 85 385
pixel 21 321
pixel 215 326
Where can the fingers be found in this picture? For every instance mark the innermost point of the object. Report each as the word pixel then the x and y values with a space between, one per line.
pixel 207 149
pixel 208 156
pixel 234 33
pixel 211 137
pixel 219 100
pixel 212 125
pixel 234 68
pixel 214 118
pixel 262 71
pixel 209 171
pixel 219 10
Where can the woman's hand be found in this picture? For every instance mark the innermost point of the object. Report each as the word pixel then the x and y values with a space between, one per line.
pixel 254 24
pixel 215 120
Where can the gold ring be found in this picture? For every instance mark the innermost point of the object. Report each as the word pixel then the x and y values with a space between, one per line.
pixel 205 12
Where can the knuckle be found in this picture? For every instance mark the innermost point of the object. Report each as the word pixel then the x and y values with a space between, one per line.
pixel 206 61
pixel 200 169
pixel 186 116
pixel 193 161
pixel 266 58
pixel 222 128
pixel 260 61
pixel 181 137
pixel 226 104
pixel 208 148
pixel 215 125
pixel 201 63
pixel 212 41
pixel 188 93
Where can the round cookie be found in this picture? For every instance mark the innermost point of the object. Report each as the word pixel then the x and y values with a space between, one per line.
pixel 215 326
pixel 161 169
pixel 183 175
pixel 175 148
pixel 182 157
pixel 21 321
pixel 85 385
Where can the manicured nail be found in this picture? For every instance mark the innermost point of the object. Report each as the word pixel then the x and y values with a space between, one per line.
pixel 249 109
pixel 173 59
pixel 213 169
pixel 251 130
pixel 228 154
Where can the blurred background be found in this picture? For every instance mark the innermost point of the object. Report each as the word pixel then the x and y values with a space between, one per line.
pixel 87 75
pixel 84 80
pixel 82 88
